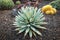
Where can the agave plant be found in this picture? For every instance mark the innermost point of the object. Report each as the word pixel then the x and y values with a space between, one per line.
pixel 29 21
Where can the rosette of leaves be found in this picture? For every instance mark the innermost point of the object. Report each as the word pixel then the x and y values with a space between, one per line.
pixel 29 21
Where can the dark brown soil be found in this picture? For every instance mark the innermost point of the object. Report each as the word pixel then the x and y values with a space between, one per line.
pixel 5 24
pixel 7 29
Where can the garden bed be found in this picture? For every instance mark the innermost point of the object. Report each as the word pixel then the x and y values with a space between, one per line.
pixel 7 29
pixel 8 33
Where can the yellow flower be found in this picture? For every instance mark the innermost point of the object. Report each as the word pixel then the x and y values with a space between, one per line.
pixel 54 10
pixel 45 8
pixel 48 9
pixel 48 12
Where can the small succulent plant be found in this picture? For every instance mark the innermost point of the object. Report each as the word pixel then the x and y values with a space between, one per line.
pixel 29 20
pixel 18 2
pixel 55 4
pixel 6 4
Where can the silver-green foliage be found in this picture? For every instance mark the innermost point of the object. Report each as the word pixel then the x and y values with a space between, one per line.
pixel 29 21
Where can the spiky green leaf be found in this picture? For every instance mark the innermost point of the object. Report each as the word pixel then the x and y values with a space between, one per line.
pixel 34 34
pixel 30 33
pixel 22 30
pixel 35 30
pixel 26 32
pixel 38 26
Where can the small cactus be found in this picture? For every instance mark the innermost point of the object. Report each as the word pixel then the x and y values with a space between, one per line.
pixel 18 2
pixel 6 4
